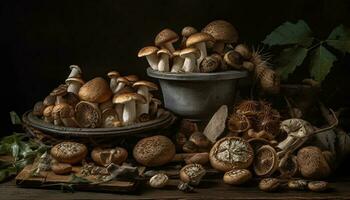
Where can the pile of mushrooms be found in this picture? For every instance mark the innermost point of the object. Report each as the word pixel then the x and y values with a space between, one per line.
pixel 124 101
pixel 214 48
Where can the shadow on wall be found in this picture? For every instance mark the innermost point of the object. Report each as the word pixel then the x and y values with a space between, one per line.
pixel 44 37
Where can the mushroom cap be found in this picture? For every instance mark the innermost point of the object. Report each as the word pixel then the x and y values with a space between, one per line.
pixel 154 151
pixel 265 161
pixel 165 36
pixel 146 51
pixel 150 85
pixel 176 53
pixel 74 80
pixel 61 90
pixel 69 152
pixel 132 78
pixel 124 80
pixel 197 38
pixel 164 51
pixel 113 74
pixel 87 114
pixel 126 97
pixel 48 111
pixel 49 100
pixel 190 50
pixel 156 101
pixel 67 111
pixel 188 31
pixel 222 31
pixel 75 67
pixel 96 90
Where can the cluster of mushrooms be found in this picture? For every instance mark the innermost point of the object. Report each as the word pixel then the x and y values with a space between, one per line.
pixel 215 48
pixel 124 101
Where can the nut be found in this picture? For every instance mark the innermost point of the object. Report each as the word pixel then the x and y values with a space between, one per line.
pixel 69 152
pixel 237 176
pixel 269 184
pixel 61 168
pixel 318 186
pixel 231 153
pixel 192 173
pixel 297 184
pixel 159 180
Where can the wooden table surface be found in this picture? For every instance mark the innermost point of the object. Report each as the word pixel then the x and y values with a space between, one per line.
pixel 216 190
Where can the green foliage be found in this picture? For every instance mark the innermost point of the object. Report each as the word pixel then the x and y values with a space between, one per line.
pixel 305 46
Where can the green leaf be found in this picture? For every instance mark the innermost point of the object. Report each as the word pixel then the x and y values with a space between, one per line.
pixel 289 33
pixel 340 38
pixel 321 63
pixel 289 59
pixel 15 118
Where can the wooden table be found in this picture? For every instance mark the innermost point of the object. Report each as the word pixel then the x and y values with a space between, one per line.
pixel 216 190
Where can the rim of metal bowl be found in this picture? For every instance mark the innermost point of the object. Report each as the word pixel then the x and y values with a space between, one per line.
pixel 163 121
pixel 226 75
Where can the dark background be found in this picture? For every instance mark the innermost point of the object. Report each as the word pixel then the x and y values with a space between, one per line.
pixel 40 39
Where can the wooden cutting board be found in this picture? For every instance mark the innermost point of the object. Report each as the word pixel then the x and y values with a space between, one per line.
pixel 50 180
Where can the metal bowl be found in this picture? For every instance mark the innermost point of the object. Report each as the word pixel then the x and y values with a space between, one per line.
pixel 197 95
pixel 164 121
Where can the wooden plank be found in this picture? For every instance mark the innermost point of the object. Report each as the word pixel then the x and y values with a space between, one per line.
pixel 51 180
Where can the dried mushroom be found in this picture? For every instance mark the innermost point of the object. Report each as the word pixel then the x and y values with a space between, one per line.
pixel 87 114
pixel 69 152
pixel 159 180
pixel 265 161
pixel 192 174
pixel 237 176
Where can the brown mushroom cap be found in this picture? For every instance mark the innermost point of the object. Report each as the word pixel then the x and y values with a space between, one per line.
pixel 124 80
pixel 69 152
pixel 146 51
pixel 265 161
pixel 49 100
pixel 113 74
pixel 190 50
pixel 165 36
pixel 48 111
pixel 96 90
pixel 132 78
pixel 222 31
pixel 38 108
pixel 188 31
pixel 74 79
pixel 164 51
pixel 154 151
pixel 198 37
pixel 150 85
pixel 87 114
pixel 176 53
pixel 61 90
pixel 123 98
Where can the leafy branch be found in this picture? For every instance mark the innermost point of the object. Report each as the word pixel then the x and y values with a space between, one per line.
pixel 299 44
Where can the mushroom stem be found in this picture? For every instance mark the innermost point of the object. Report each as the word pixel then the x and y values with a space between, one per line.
pixel 177 64
pixel 203 49
pixel 189 63
pixel 219 47
pixel 119 111
pixel 286 143
pixel 120 86
pixel 143 107
pixel 59 100
pixel 169 46
pixel 113 84
pixel 74 73
pixel 163 64
pixel 74 87
pixel 129 112
pixel 153 61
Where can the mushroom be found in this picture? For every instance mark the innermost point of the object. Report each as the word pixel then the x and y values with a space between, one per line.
pixel 129 100
pixel 87 114
pixel 106 156
pixel 153 107
pixel 269 184
pixel 110 118
pixel 67 116
pixel 190 54
pixel 192 174
pixel 38 108
pixel 187 32
pixel 150 52
pixel 47 113
pixel 56 111
pixel 75 71
pixel 318 186
pixel 298 184
pixel 69 152
pixel 237 176
pixel 96 91
pixel 132 78
pixel 312 164
pixel 143 88
pixel 198 40
pixel 233 59
pixel 178 62
pixel 49 100
pixel 265 161
pixel 61 168
pixel 210 63
pixel 164 56
pixel 223 32
pixel 159 180
pixel 200 140
pixel 113 75
pixel 122 82
pixel 165 39
pixel 74 84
